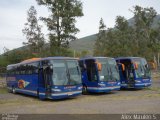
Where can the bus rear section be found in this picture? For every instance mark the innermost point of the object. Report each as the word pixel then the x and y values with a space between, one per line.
pixel 134 72
pixel 99 74
pixel 55 78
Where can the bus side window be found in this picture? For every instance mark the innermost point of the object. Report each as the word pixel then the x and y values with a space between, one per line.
pixel 13 71
pixel 17 70
pixel 22 69
pixel 35 67
pixel 30 69
pixel 27 69
pixel 9 70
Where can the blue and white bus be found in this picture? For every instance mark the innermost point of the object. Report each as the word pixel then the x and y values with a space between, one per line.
pixel 99 74
pixel 134 72
pixel 52 77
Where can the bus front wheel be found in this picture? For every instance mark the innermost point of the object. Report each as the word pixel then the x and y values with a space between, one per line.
pixel 39 97
pixel 84 90
pixel 38 93
pixel 13 90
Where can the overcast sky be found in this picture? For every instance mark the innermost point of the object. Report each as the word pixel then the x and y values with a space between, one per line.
pixel 13 14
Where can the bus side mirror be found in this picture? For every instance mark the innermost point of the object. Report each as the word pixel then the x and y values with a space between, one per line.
pixel 84 67
pixel 44 67
pixel 123 67
pixel 51 67
pixel 135 66
pixel 99 66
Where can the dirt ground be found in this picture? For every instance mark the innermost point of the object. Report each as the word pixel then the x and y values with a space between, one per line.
pixel 117 102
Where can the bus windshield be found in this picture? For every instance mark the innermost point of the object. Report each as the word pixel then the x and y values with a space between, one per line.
pixel 112 66
pixel 66 72
pixel 143 70
pixel 109 70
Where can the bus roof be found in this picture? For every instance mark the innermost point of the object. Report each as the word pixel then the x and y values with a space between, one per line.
pixel 40 59
pixel 87 58
pixel 31 60
pixel 60 58
pixel 118 58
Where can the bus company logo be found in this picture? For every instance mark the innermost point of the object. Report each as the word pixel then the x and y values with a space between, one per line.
pixel 70 87
pixel 21 84
pixel 112 83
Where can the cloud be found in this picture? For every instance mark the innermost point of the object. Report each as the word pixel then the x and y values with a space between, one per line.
pixel 13 14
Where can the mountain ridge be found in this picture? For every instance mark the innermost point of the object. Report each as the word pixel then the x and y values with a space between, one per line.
pixel 87 43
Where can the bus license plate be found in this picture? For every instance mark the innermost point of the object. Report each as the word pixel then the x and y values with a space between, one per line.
pixel 69 93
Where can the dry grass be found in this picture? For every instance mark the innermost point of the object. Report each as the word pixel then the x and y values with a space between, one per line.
pixel 3 90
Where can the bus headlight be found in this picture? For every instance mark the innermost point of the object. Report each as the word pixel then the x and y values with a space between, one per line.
pixel 80 88
pixel 56 90
pixel 101 85
pixel 137 81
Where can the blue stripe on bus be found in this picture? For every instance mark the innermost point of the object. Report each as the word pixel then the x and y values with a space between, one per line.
pixel 23 90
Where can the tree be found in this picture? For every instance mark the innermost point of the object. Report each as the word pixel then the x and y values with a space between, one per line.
pixel 99 47
pixel 61 22
pixel 32 31
pixel 124 40
pixel 142 27
pixel 110 43
pixel 123 36
pixel 84 53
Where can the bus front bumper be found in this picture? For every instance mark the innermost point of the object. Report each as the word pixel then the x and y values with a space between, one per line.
pixel 136 85
pixel 103 89
pixel 142 85
pixel 65 95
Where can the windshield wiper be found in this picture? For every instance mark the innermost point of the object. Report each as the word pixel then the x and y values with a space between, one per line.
pixel 111 74
pixel 68 76
pixel 109 77
pixel 78 70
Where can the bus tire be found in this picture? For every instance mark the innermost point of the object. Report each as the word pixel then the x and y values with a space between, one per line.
pixel 38 94
pixel 13 90
pixel 84 90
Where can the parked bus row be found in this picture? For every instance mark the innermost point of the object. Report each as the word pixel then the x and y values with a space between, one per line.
pixel 63 77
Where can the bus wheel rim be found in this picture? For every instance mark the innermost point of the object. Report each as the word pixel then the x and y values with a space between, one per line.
pixel 84 89
pixel 13 90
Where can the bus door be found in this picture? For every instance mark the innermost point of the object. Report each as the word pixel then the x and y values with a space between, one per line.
pixel 128 73
pixel 91 73
pixel 47 76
